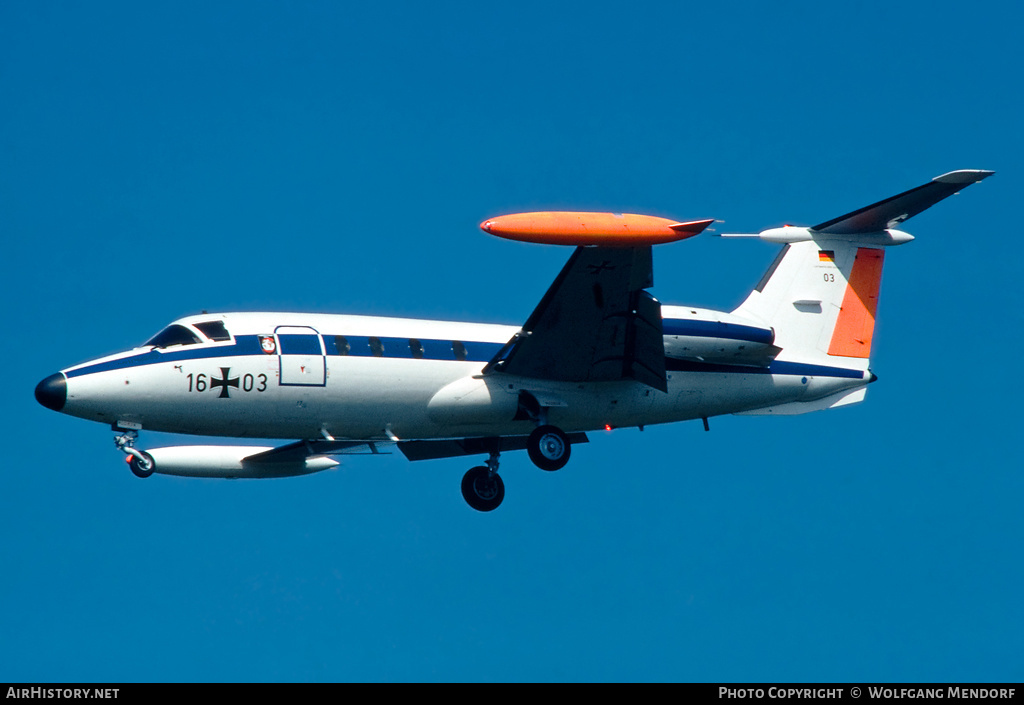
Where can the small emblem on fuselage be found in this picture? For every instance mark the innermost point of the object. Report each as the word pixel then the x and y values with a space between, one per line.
pixel 267 344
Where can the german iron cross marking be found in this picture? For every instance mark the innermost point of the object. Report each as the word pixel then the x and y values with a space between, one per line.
pixel 605 266
pixel 224 383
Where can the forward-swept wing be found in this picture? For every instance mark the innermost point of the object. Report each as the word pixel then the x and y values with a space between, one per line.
pixel 596 323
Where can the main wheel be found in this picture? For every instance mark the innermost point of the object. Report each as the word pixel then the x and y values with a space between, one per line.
pixel 548 447
pixel 482 490
pixel 142 468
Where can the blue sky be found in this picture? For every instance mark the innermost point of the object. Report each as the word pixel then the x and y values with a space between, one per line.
pixel 164 158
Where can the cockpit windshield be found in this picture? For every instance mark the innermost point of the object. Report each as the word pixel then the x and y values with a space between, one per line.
pixel 173 335
pixel 214 330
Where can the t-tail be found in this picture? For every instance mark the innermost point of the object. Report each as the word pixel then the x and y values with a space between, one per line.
pixel 820 296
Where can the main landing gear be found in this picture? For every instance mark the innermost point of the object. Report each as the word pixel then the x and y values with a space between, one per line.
pixel 548 448
pixel 482 488
pixel 140 462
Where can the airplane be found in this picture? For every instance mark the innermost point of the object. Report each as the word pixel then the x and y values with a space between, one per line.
pixel 598 352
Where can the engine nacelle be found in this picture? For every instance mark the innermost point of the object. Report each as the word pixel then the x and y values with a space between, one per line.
pixel 702 335
pixel 473 400
pixel 232 462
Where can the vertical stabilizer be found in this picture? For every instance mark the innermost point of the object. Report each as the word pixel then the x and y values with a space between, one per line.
pixel 821 300
pixel 820 296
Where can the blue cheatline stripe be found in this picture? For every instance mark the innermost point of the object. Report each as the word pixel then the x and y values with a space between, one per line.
pixel 399 348
pixel 359 346
pixel 712 329
pixel 776 368
pixel 800 368
pixel 243 345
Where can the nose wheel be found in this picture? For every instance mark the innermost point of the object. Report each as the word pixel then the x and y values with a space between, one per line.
pixel 141 466
pixel 140 462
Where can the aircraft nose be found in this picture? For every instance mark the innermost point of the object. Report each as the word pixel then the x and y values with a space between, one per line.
pixel 52 392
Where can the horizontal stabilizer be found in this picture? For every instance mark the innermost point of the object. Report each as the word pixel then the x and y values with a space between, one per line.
pixel 896 209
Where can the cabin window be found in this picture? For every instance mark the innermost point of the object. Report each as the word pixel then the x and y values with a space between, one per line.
pixel 214 330
pixel 299 344
pixel 173 335
pixel 459 350
pixel 416 348
pixel 376 347
pixel 342 345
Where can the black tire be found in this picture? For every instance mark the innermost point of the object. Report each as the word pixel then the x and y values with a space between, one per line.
pixel 482 490
pixel 144 468
pixel 549 448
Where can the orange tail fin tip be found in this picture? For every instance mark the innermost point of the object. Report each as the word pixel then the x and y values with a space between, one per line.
pixel 856 323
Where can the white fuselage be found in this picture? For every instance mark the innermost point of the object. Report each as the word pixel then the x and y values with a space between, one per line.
pixel 285 375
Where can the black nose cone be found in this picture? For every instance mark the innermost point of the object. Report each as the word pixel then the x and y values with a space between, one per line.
pixel 52 392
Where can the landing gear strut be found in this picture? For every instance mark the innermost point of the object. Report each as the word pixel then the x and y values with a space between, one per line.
pixel 140 462
pixel 482 487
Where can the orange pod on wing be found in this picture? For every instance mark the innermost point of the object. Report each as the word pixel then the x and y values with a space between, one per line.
pixel 608 229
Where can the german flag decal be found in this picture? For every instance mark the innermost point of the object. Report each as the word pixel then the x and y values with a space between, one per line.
pixel 826 256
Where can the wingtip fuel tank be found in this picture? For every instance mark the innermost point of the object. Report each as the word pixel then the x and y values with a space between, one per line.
pixel 231 462
pixel 606 229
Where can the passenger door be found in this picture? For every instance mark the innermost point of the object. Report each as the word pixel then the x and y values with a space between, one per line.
pixel 301 355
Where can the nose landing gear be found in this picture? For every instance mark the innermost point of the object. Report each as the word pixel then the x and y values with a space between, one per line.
pixel 140 462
